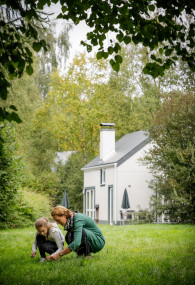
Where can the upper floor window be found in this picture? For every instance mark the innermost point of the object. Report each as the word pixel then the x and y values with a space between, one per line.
pixel 102 176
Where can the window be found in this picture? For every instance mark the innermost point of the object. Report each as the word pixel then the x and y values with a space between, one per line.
pixel 90 203
pixel 102 176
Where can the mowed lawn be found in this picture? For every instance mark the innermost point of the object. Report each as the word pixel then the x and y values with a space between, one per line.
pixel 134 254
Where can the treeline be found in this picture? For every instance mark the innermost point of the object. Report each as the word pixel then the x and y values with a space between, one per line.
pixel 62 113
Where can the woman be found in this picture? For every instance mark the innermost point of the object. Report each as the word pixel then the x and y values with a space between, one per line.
pixel 83 235
pixel 48 238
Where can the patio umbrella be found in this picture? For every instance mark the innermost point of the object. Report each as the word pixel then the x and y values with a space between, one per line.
pixel 125 201
pixel 65 201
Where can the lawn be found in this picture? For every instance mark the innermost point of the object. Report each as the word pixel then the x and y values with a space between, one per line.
pixel 134 254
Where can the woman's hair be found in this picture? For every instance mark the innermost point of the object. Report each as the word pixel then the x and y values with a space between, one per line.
pixel 41 222
pixel 61 211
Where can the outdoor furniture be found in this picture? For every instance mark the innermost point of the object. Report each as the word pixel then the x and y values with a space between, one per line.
pixel 126 216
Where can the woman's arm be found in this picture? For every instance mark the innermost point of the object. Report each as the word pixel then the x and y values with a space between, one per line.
pixel 57 255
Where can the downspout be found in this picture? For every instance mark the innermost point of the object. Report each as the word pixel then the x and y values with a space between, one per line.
pixel 115 192
pixel 84 202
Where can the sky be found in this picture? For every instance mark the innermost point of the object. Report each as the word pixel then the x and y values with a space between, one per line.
pixel 76 35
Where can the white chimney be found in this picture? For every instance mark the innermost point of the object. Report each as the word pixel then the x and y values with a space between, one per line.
pixel 107 140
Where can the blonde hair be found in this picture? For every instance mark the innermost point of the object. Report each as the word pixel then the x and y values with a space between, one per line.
pixel 41 222
pixel 61 211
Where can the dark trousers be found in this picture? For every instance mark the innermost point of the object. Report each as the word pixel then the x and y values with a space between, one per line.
pixel 84 248
pixel 45 245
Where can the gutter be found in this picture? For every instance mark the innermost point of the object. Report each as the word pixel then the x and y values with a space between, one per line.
pixel 99 166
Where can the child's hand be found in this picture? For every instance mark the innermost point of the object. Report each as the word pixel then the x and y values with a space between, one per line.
pixel 53 257
pixel 49 257
pixel 33 253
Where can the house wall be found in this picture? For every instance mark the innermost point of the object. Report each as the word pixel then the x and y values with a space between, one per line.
pixel 92 179
pixel 134 176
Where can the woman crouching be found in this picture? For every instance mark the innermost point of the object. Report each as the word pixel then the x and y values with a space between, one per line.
pixel 83 235
pixel 48 238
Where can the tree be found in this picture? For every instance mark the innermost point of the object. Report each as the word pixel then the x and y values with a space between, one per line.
pixel 55 57
pixel 21 29
pixel 166 25
pixel 25 30
pixel 172 158
pixel 10 173
pixel 72 180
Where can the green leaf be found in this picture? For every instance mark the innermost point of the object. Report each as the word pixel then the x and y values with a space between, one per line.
pixel 64 9
pixel 145 70
pixel 161 51
pixel 13 107
pixel 116 66
pixel 151 7
pixel 168 52
pixel 36 46
pixel 117 47
pixel 118 59
pixel 13 117
pixel 89 48
pixel 119 37
pixel 43 43
pixel 127 40
pixel 159 60
pixel 99 55
pixel 29 70
pixel 112 62
pixel 105 55
pixel 41 3
pixel 110 50
pixel 153 57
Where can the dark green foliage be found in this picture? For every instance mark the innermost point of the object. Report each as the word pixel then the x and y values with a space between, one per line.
pixel 10 173
pixel 173 157
pixel 156 24
pixel 72 181
pixel 19 31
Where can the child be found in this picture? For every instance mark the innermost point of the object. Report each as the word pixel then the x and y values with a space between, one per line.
pixel 48 239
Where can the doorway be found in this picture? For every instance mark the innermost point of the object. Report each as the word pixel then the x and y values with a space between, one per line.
pixel 110 205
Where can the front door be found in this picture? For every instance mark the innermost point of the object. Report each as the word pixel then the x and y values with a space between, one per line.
pixel 110 205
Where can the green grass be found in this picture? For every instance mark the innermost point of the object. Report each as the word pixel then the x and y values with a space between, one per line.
pixel 136 254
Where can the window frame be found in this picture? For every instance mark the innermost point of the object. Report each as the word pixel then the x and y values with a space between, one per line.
pixel 102 177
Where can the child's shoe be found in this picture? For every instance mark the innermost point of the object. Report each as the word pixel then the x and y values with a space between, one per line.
pixel 42 259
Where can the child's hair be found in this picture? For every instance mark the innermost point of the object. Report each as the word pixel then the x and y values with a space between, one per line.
pixel 61 211
pixel 41 222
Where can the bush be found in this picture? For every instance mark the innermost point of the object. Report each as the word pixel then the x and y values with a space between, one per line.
pixel 10 172
pixel 29 206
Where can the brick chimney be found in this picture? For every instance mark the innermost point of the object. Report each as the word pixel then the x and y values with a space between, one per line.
pixel 107 140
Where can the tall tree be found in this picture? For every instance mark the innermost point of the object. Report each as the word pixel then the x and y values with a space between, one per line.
pixel 72 180
pixel 10 173
pixel 167 25
pixel 21 29
pixel 172 157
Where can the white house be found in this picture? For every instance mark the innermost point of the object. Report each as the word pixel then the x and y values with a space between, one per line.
pixel 116 168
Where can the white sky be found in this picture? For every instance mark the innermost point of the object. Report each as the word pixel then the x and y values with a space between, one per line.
pixel 77 34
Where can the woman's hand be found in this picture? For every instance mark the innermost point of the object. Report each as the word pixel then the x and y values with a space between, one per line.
pixel 33 253
pixel 53 257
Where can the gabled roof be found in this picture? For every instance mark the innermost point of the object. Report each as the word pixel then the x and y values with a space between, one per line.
pixel 127 146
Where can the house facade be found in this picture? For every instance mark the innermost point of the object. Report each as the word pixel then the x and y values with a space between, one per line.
pixel 118 167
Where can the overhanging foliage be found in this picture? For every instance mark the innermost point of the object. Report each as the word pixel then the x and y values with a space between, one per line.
pixel 164 25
